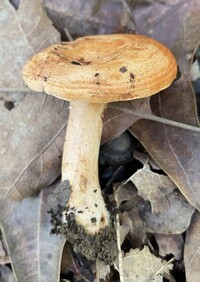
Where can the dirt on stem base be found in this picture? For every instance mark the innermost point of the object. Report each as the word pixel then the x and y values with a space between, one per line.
pixel 102 246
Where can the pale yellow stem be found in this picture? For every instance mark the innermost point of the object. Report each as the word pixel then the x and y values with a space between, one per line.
pixel 80 165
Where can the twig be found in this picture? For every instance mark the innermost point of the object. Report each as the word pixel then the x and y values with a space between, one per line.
pixel 120 264
pixel 134 112
pixel 68 34
pixel 157 119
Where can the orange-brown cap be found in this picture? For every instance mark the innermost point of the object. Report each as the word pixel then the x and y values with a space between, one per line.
pixel 102 68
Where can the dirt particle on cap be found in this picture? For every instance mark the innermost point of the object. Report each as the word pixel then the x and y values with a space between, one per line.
pixel 96 205
pixel 97 83
pixel 93 220
pixel 103 219
pixel 75 63
pixel 131 77
pixel 84 62
pixel 123 69
pixel 45 78
pixel 95 190
pixel 96 74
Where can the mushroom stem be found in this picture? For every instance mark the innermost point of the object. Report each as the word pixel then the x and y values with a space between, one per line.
pixel 80 166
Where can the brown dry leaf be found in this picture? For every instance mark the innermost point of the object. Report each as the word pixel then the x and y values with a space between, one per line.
pixel 145 158
pixel 68 262
pixel 153 187
pixel 115 119
pixel 119 116
pixel 192 250
pixel 134 228
pixel 23 33
pixel 125 192
pixel 6 274
pixel 4 255
pixel 31 145
pixel 32 132
pixel 173 220
pixel 142 266
pixel 35 253
pixel 170 244
pixel 2 252
pixel 102 270
pixel 71 264
pixel 175 150
pixel 81 18
pixel 131 223
pixel 124 227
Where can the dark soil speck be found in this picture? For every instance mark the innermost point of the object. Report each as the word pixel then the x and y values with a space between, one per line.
pixel 131 77
pixel 75 63
pixel 123 69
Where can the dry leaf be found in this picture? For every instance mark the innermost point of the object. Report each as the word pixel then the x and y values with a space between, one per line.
pixel 173 220
pixel 180 147
pixel 171 244
pixel 142 266
pixel 34 252
pixel 124 227
pixel 70 264
pixel 6 274
pixel 153 187
pixel 4 255
pixel 31 145
pixel 23 33
pixel 36 163
pixel 192 250
pixel 137 231
pixel 119 116
pixel 125 192
pixel 90 16
pixel 115 123
pixel 131 224
pixel 103 271
pixel 31 133
pixel 144 159
pixel 2 252
pixel 176 150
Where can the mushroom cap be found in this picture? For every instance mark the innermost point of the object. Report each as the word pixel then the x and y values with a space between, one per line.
pixel 102 68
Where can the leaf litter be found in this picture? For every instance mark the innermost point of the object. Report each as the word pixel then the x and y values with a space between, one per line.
pixel 174 150
pixel 142 266
pixel 26 165
pixel 35 254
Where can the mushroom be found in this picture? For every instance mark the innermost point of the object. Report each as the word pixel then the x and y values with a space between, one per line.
pixel 91 72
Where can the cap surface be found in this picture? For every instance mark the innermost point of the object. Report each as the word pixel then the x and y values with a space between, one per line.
pixel 102 68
